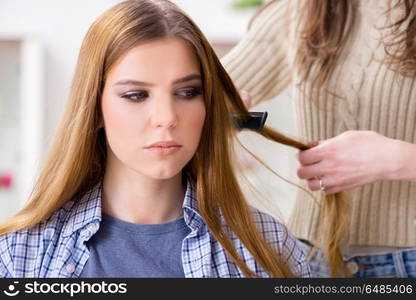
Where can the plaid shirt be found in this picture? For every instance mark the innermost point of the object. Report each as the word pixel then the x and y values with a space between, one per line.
pixel 56 247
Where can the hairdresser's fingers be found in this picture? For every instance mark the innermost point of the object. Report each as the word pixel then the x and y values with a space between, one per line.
pixel 313 184
pixel 246 97
pixel 331 185
pixel 310 171
pixel 311 156
pixel 325 185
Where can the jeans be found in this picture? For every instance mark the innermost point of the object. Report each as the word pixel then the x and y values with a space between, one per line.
pixel 401 263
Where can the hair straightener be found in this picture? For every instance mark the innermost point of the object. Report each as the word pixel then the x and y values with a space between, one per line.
pixel 254 122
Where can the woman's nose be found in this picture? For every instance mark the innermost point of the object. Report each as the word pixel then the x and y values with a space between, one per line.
pixel 164 112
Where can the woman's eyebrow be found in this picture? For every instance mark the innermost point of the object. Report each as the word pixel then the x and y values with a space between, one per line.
pixel 188 78
pixel 142 83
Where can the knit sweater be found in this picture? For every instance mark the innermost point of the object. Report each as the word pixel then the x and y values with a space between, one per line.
pixel 367 95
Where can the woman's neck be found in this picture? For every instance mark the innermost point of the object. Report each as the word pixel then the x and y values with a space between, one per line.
pixel 135 198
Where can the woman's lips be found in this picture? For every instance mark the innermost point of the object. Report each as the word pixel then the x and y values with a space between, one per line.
pixel 164 147
pixel 164 150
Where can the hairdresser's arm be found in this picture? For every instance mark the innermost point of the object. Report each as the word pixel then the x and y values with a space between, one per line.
pixel 356 158
pixel 259 63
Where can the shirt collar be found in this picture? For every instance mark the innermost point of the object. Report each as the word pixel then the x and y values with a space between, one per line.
pixel 87 210
pixel 190 207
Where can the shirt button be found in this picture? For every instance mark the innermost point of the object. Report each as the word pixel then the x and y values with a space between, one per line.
pixel 91 228
pixel 70 268
pixel 353 267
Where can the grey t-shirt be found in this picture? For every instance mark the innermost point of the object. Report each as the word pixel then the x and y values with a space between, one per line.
pixel 123 249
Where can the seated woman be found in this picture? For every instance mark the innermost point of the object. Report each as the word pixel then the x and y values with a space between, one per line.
pixel 139 180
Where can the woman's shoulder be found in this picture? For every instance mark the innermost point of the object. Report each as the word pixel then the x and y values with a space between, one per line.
pixel 19 249
pixel 46 227
pixel 281 239
pixel 32 251
pixel 72 216
pixel 272 229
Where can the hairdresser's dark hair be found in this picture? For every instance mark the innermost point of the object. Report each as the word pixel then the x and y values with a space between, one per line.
pixel 326 25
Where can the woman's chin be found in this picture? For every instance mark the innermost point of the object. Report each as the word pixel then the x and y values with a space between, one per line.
pixel 164 174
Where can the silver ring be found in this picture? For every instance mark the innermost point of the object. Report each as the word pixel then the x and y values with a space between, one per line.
pixel 322 185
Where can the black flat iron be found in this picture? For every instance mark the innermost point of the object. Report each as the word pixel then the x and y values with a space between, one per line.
pixel 254 122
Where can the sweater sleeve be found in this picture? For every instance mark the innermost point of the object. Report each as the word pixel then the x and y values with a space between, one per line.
pixel 259 62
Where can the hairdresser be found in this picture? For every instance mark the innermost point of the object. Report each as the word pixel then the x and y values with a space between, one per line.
pixel 351 66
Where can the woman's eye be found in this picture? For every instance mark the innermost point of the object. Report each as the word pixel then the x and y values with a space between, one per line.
pixel 189 93
pixel 135 96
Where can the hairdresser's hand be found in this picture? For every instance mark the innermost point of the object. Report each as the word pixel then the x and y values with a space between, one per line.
pixel 356 158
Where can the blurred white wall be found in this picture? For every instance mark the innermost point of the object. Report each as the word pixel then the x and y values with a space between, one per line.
pixel 60 27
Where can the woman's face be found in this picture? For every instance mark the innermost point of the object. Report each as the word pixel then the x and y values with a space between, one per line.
pixel 153 108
